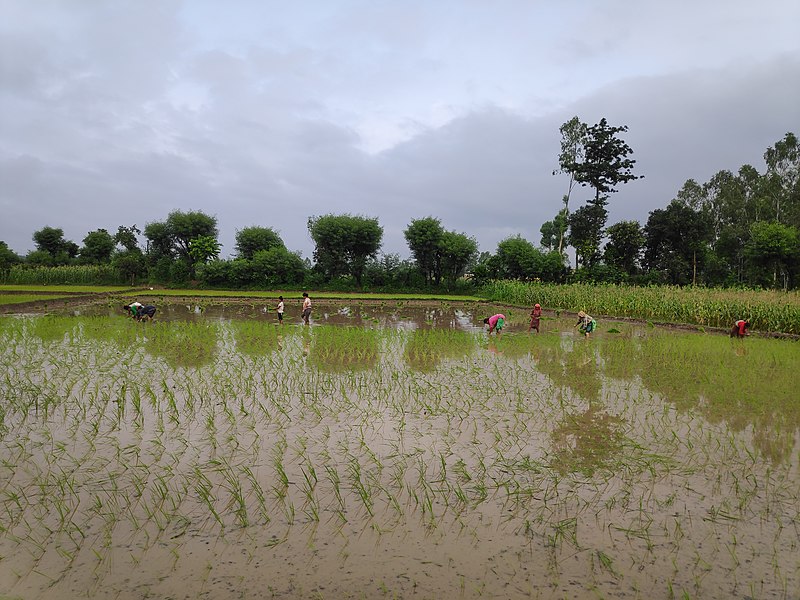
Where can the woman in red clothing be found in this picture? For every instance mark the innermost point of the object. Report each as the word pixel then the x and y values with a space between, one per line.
pixel 536 314
pixel 739 329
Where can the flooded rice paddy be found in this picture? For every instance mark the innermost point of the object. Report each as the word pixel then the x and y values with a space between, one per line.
pixel 393 451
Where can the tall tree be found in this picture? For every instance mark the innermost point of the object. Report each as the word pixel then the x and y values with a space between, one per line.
pixel 126 237
pixel 253 239
pixel 586 232
pixel 344 243
pixel 97 247
pixel 456 251
pixel 624 246
pixel 424 237
pixel 605 163
pixel 553 232
pixel 773 252
pixel 8 258
pixel 676 240
pixel 783 172
pixel 573 140
pixel 183 227
pixel 51 240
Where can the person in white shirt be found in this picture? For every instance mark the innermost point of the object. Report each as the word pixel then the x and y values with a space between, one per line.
pixel 280 310
pixel 306 307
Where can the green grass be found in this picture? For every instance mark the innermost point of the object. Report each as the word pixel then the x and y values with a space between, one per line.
pixel 70 289
pixel 7 299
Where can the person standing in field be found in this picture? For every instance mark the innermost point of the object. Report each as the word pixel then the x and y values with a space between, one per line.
pixel 306 308
pixel 536 314
pixel 280 310
pixel 739 329
pixel 495 323
pixel 586 323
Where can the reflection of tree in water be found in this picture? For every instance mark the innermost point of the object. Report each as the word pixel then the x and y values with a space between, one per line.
pixel 183 344
pixel 747 388
pixel 256 338
pixel 332 348
pixel 120 331
pixel 582 441
pixel 51 328
pixel 587 441
pixel 426 348
pixel 572 366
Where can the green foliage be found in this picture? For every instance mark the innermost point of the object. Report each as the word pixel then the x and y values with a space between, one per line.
pixel 677 239
pixel 423 237
pixel 605 163
pixel 204 248
pixel 766 310
pixel 97 247
pixel 624 248
pixel 586 232
pixel 64 275
pixel 8 258
pixel 51 240
pixel 344 244
pixel 252 239
pixel 773 251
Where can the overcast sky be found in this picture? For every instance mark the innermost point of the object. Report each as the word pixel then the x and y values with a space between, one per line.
pixel 265 113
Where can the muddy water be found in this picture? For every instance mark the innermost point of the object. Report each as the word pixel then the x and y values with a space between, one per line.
pixel 407 455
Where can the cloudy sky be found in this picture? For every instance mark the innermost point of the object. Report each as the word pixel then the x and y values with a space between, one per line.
pixel 265 113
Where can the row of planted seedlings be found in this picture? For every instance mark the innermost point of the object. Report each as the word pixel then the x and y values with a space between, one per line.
pixel 117 436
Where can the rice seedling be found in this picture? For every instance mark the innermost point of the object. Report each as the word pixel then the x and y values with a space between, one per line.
pixel 129 454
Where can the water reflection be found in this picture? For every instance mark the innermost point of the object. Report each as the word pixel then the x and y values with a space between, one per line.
pixel 426 348
pixel 586 441
pixel 342 348
pixel 183 344
pixel 256 338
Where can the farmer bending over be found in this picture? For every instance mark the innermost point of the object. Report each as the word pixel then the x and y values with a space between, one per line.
pixel 495 323
pixel 739 329
pixel 586 323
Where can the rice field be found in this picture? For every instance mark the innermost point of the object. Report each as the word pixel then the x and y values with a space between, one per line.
pixel 767 310
pixel 393 451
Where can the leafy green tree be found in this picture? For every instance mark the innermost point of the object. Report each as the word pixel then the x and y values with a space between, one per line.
pixel 553 232
pixel 773 252
pixel 605 163
pixel 344 244
pixel 424 237
pixel 515 258
pixel 204 248
pixel 51 240
pixel 130 263
pixel 159 242
pixel 624 247
pixel 676 242
pixel 277 266
pixel 783 175
pixel 127 237
pixel 573 139
pixel 586 233
pixel 252 239
pixel 8 258
pixel 183 227
pixel 97 247
pixel 40 258
pixel 456 252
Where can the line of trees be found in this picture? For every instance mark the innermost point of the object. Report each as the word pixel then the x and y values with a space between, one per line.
pixel 739 228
